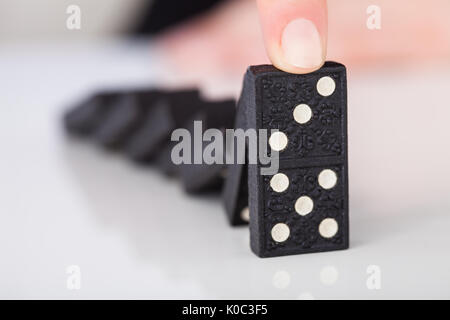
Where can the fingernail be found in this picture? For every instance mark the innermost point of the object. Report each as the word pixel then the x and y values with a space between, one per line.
pixel 301 44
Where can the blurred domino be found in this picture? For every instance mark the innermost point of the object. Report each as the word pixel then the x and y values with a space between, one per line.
pixel 164 161
pixel 110 116
pixel 208 177
pixel 125 115
pixel 213 114
pixel 169 112
pixel 86 117
pixel 304 207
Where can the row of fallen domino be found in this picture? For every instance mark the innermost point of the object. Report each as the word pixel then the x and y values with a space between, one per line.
pixel 304 207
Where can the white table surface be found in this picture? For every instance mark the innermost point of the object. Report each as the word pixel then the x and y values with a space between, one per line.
pixel 135 234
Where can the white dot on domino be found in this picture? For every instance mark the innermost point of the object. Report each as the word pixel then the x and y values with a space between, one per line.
pixel 279 182
pixel 326 86
pixel 304 205
pixel 328 228
pixel 278 141
pixel 327 179
pixel 245 214
pixel 302 113
pixel 280 232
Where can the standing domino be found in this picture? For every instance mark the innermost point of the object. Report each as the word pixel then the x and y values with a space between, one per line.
pixel 304 207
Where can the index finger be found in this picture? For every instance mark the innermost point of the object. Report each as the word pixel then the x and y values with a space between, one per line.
pixel 295 33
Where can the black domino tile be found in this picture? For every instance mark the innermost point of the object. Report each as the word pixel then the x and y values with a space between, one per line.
pixel 213 114
pixel 126 116
pixel 235 190
pixel 86 117
pixel 270 97
pixel 199 178
pixel 169 112
pixel 110 116
pixel 164 161
pixel 235 194
pixel 122 119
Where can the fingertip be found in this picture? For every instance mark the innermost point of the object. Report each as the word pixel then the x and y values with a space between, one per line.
pixel 295 33
pixel 286 67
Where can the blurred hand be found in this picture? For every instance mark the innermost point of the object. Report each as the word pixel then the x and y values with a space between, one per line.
pixel 225 42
